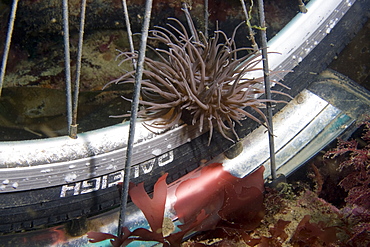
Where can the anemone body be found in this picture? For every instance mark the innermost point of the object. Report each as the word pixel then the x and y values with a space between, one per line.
pixel 197 80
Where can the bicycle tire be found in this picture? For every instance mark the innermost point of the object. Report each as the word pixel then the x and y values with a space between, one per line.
pixel 83 184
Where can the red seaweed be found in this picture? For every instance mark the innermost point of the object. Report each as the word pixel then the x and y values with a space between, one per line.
pixel 226 199
pixel 356 183
pixel 153 208
pixel 213 199
pixel 313 234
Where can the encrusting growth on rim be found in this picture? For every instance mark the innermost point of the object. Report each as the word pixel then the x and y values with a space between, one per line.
pixel 197 80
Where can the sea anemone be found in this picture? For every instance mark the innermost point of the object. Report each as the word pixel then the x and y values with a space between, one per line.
pixel 197 80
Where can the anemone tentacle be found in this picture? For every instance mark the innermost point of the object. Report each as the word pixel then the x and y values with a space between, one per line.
pixel 201 76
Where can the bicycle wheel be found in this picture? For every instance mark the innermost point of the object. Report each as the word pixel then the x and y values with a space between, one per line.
pixel 46 182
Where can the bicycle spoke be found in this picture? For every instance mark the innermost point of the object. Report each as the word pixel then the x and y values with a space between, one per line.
pixel 73 128
pixel 134 112
pixel 67 63
pixel 7 43
pixel 266 75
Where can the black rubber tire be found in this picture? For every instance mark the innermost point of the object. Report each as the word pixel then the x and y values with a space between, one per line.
pixel 32 209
